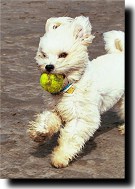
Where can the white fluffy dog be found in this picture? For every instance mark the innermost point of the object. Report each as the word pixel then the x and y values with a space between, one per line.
pixel 93 86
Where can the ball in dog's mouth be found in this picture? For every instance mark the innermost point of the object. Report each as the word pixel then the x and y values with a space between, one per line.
pixel 53 83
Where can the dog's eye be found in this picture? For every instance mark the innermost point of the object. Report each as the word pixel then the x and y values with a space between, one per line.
pixel 54 27
pixel 63 55
pixel 44 55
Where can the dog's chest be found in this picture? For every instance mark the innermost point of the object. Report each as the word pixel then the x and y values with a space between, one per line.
pixel 72 106
pixel 66 107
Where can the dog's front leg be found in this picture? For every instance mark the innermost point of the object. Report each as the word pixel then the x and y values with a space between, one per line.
pixel 72 139
pixel 45 125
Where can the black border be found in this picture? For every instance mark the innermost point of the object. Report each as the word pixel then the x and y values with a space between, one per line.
pixel 128 95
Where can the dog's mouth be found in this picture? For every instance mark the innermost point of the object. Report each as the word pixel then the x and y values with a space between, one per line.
pixel 43 70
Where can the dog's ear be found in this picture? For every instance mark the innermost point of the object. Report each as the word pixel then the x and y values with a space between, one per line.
pixel 54 23
pixel 51 24
pixel 82 30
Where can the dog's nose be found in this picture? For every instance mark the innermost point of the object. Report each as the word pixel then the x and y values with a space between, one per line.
pixel 49 67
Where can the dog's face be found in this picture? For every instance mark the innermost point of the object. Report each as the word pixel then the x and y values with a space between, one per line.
pixel 64 49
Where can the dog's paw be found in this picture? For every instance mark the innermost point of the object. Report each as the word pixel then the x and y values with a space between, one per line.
pixel 121 129
pixel 59 159
pixel 37 136
pixel 38 133
pixel 59 162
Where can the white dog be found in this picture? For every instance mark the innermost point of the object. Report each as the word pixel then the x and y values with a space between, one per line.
pixel 93 86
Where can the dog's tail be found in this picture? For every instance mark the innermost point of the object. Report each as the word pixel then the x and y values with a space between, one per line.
pixel 114 41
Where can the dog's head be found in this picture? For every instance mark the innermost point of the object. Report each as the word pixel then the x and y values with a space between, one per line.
pixel 63 49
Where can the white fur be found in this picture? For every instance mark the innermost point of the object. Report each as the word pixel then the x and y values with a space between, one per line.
pixel 114 41
pixel 99 85
pixel 54 22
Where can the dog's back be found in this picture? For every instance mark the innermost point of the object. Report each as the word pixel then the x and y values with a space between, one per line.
pixel 107 71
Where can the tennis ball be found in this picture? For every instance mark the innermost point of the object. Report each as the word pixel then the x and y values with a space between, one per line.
pixel 52 83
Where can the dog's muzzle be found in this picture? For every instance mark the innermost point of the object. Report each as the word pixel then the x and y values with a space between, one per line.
pixel 49 67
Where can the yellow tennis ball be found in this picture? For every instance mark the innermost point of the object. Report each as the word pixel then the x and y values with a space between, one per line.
pixel 52 83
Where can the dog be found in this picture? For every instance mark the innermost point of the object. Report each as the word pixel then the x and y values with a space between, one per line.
pixel 93 86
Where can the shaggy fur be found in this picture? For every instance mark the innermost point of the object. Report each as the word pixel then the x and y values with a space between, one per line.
pixel 98 84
